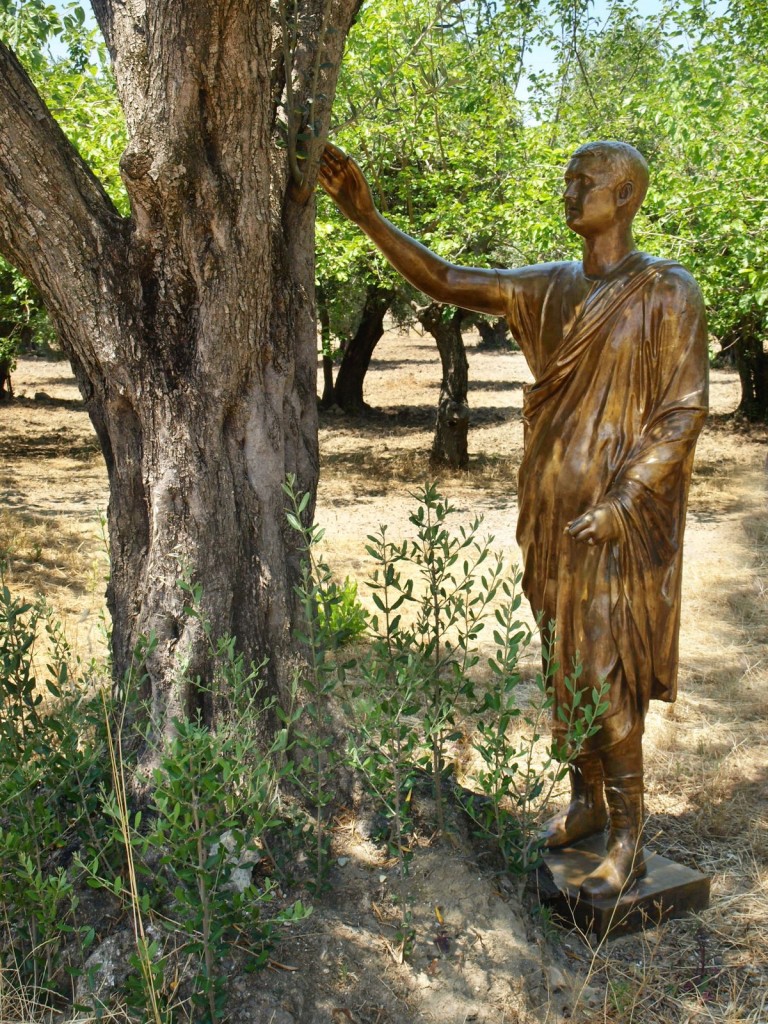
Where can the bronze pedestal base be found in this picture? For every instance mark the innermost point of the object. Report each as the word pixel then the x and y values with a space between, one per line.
pixel 667 890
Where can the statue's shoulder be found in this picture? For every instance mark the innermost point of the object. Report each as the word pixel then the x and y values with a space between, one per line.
pixel 539 275
pixel 669 273
pixel 540 270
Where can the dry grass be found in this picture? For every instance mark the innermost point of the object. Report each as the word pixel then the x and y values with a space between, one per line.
pixel 21 1003
pixel 43 554
pixel 49 557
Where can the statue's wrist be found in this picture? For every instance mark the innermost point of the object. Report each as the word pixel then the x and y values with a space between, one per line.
pixel 366 218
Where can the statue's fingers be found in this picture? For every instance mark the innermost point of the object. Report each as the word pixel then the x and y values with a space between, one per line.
pixel 329 173
pixel 576 526
pixel 328 160
pixel 334 154
pixel 582 531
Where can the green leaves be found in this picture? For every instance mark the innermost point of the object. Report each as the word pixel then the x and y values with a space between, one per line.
pixel 427 104
pixel 68 62
pixel 51 768
pixel 418 695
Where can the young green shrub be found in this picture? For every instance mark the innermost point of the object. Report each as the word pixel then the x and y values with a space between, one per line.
pixel 382 746
pixel 52 747
pixel 331 618
pixel 444 582
pixel 460 576
pixel 213 804
pixel 187 869
pixel 340 613
pixel 520 764
pixel 332 615
pixel 433 594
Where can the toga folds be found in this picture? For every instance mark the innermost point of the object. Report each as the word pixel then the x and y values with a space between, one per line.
pixel 620 395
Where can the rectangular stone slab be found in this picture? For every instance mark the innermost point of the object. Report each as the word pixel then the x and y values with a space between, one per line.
pixel 667 890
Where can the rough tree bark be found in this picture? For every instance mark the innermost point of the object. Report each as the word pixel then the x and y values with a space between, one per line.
pixel 449 447
pixel 348 389
pixel 190 325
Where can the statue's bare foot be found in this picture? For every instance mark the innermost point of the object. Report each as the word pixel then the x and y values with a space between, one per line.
pixel 577 821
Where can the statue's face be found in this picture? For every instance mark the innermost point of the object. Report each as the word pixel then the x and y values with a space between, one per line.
pixel 590 195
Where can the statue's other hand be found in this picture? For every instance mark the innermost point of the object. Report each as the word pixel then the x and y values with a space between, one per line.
pixel 595 526
pixel 345 183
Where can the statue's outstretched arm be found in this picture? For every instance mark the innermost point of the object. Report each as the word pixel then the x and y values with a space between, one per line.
pixel 471 288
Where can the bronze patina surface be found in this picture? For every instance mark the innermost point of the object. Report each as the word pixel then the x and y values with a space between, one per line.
pixel 617 344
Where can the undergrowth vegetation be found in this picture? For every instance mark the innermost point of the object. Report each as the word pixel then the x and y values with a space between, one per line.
pixel 135 896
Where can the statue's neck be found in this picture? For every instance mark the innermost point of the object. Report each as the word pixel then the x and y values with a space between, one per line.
pixel 603 253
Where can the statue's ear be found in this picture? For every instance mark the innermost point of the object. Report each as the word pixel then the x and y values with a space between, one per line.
pixel 625 192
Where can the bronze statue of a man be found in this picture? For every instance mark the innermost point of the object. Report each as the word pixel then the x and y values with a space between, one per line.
pixel 617 344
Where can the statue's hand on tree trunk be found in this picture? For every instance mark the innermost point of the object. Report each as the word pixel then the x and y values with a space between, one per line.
pixel 345 183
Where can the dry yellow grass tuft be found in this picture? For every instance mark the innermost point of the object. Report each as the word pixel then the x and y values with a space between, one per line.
pixel 45 556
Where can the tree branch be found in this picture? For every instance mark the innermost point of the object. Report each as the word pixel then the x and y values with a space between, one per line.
pixel 123 24
pixel 104 13
pixel 57 224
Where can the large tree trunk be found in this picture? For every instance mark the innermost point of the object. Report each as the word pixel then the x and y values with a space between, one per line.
pixel 348 390
pixel 190 326
pixel 449 447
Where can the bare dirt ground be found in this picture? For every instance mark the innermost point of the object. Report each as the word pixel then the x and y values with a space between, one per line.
pixel 706 756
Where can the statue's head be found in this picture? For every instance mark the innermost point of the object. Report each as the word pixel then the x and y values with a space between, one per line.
pixel 605 183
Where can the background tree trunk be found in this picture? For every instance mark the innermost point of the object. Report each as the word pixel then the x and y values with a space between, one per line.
pixel 6 387
pixel 348 390
pixel 493 335
pixel 449 447
pixel 324 319
pixel 190 326
pixel 752 365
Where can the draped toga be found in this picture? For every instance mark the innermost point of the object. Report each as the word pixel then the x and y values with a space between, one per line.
pixel 620 395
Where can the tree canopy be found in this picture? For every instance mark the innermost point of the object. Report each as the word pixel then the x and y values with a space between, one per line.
pixel 67 60
pixel 686 88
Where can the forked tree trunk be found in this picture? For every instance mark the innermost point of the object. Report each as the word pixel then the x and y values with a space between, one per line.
pixel 348 390
pixel 190 326
pixel 449 447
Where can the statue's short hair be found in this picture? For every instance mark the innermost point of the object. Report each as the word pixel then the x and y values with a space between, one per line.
pixel 628 161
